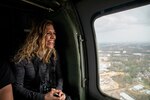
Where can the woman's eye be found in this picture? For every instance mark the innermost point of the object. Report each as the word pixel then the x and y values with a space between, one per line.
pixel 51 33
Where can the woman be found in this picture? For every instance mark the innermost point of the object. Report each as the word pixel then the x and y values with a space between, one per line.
pixel 37 70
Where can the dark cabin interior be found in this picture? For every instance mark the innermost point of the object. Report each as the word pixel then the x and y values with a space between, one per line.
pixel 15 22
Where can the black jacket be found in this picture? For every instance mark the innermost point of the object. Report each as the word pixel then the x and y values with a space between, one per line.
pixel 35 78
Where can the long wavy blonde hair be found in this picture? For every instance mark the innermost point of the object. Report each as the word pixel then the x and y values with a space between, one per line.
pixel 35 44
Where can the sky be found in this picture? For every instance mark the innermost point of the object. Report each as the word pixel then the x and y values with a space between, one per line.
pixel 128 26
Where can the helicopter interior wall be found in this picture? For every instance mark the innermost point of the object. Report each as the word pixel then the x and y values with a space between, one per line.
pixel 87 16
pixel 68 50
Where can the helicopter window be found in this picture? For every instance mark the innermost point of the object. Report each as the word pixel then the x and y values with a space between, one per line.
pixel 123 51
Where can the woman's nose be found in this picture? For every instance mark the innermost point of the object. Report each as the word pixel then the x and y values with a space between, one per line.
pixel 53 36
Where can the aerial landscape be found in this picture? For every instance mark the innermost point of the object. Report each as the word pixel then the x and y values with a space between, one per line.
pixel 124 70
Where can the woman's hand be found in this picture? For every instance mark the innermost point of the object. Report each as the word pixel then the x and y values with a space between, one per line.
pixel 50 95
pixel 61 95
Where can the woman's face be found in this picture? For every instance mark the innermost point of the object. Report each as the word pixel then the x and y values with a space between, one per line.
pixel 50 37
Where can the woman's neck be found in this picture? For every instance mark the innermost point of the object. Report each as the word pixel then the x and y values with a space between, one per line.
pixel 42 53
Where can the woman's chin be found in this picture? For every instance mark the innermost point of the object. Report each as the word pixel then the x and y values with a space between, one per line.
pixel 50 47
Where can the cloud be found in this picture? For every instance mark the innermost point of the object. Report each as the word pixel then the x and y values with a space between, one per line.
pixel 131 25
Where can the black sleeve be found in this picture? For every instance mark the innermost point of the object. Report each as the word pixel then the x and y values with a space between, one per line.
pixel 59 75
pixel 19 84
pixel 6 76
